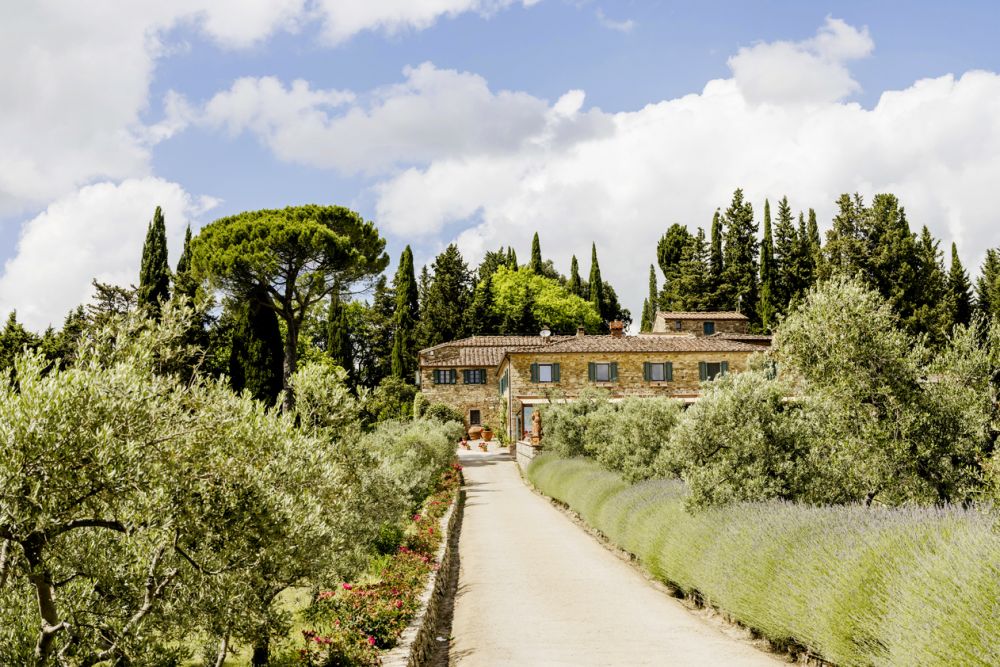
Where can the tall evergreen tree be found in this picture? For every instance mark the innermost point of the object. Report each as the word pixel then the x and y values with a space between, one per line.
pixel 689 288
pixel 815 244
pixel 378 325
pixel 786 269
pixel 649 305
pixel 448 297
pixel 256 357
pixel 511 258
pixel 596 284
pixel 929 308
pixel 154 273
pixel 482 319
pixel 404 352
pixel 536 255
pixel 766 301
pixel 739 273
pixel 575 285
pixel 184 281
pixel 960 288
pixel 339 346
pixel 716 261
pixel 988 285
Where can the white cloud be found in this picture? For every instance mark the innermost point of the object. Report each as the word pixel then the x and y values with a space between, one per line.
pixel 344 18
pixel 625 25
pixel 76 76
pixel 434 113
pixel 935 144
pixel 97 232
pixel 811 71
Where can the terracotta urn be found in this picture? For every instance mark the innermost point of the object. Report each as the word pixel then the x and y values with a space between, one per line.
pixel 487 434
pixel 475 432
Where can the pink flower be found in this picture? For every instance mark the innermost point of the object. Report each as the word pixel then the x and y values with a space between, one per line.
pixel 326 595
pixel 398 604
pixel 371 640
pixel 348 587
pixel 430 531
pixel 416 517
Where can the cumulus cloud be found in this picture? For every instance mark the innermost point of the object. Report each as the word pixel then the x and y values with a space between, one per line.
pixel 624 25
pixel 935 144
pixel 97 232
pixel 810 71
pixel 345 18
pixel 432 114
pixel 76 76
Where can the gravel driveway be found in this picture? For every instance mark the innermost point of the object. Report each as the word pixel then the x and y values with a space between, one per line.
pixel 535 589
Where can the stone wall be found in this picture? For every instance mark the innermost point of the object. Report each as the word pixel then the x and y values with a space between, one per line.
pixel 418 645
pixel 525 453
pixel 465 397
pixel 695 327
pixel 573 372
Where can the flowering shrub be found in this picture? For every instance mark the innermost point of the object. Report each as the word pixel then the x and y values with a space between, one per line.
pixel 351 624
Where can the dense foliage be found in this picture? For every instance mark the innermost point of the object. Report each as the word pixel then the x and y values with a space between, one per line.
pixel 854 585
pixel 846 407
pixel 142 507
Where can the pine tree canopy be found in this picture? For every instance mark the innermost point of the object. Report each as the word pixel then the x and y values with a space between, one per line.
pixel 154 272
pixel 297 255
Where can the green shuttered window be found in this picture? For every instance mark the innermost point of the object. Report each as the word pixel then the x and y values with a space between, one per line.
pixel 658 371
pixel 602 371
pixel 543 373
pixel 445 376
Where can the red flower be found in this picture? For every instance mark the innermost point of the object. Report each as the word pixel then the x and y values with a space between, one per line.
pixel 398 604
pixel 371 640
pixel 348 587
pixel 416 517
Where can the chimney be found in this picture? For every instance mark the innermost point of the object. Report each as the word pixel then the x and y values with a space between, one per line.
pixel 617 328
pixel 580 332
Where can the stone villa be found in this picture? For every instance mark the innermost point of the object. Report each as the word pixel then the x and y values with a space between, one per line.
pixel 497 380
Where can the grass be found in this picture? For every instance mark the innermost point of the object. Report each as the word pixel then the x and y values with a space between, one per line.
pixel 855 585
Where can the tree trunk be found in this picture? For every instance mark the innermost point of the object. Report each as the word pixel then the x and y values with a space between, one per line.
pixel 261 651
pixel 41 580
pixel 220 658
pixel 291 360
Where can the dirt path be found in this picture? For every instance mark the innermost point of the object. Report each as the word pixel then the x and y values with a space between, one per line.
pixel 535 589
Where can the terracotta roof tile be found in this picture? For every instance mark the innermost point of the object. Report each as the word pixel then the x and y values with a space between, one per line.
pixel 700 315
pixel 640 344
pixel 477 350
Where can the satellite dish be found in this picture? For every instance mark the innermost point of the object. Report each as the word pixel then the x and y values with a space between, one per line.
pixel 545 333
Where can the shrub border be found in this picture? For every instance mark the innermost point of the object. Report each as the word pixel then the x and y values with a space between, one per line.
pixel 692 601
pixel 418 645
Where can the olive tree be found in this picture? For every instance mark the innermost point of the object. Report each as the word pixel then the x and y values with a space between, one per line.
pixel 297 255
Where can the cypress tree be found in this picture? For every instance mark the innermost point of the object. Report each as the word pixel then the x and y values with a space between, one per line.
pixel 788 266
pixel 815 245
pixel 596 284
pixel 739 274
pixel 961 290
pixel 256 357
pixel 649 306
pixel 482 318
pixel 575 285
pixel 404 353
pixel 338 337
pixel 536 255
pixel 443 316
pixel 715 255
pixel 511 258
pixel 154 272
pixel 765 302
pixel 988 285
pixel 184 281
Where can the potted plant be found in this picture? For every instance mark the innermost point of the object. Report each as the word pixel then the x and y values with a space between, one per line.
pixel 475 432
pixel 487 433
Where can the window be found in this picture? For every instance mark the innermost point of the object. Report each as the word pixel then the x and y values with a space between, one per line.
pixel 602 372
pixel 708 328
pixel 545 372
pixel 474 376
pixel 504 381
pixel 658 371
pixel 678 325
pixel 445 376
pixel 474 418
pixel 712 370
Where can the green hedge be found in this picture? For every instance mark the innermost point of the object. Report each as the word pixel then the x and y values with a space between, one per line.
pixel 855 585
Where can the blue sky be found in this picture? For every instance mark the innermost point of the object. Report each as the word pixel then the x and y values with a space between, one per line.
pixel 464 125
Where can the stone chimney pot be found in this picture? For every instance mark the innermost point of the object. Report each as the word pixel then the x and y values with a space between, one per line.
pixel 617 328
pixel 580 331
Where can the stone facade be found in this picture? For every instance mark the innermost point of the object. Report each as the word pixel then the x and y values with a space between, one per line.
pixel 465 397
pixel 573 376
pixel 693 324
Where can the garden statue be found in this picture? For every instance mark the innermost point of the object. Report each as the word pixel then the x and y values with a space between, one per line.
pixel 536 428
